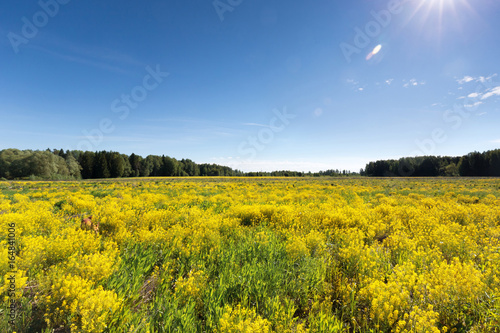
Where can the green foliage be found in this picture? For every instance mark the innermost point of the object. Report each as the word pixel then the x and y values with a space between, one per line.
pixel 475 164
pixel 60 165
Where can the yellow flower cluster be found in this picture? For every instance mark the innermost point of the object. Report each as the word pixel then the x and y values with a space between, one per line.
pixel 242 320
pixel 44 251
pixel 74 299
pixel 18 282
pixel 192 287
pixel 96 266
pixel 296 255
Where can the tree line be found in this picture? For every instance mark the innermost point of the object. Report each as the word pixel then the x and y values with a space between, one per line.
pixel 76 164
pixel 475 164
pixel 58 164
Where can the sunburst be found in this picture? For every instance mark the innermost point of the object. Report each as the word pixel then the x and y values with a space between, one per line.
pixel 434 17
pixel 426 10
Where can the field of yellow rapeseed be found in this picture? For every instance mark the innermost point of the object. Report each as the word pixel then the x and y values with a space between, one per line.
pixel 251 255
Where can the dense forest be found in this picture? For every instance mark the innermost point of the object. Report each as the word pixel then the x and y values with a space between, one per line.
pixel 75 164
pixel 63 165
pixel 476 164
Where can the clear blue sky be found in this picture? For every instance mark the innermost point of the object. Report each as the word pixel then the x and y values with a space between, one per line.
pixel 256 85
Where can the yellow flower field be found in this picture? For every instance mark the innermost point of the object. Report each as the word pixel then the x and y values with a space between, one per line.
pixel 251 255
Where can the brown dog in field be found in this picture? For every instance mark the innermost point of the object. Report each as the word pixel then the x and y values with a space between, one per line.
pixel 87 224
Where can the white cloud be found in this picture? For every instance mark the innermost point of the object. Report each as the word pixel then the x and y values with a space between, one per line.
pixel 473 105
pixel 389 81
pixel 482 79
pixel 492 92
pixel 473 95
pixel 465 79
pixel 413 83
pixel 355 84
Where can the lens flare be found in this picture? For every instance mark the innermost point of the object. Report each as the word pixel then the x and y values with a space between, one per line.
pixel 374 51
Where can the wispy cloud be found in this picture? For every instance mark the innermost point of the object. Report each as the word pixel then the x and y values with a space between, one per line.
pixel 255 124
pixel 41 134
pixel 412 83
pixel 356 85
pixel 473 105
pixel 89 55
pixel 492 92
pixel 185 120
pixel 468 78
pixel 465 79
pixel 83 61
pixel 119 138
pixel 389 81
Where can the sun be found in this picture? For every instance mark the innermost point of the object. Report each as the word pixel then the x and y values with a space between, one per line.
pixel 439 14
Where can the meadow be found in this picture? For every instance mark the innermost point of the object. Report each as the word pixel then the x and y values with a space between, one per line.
pixel 251 255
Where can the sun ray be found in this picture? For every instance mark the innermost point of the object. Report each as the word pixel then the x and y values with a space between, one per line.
pixel 439 11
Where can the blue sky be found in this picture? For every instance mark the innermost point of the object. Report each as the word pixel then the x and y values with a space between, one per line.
pixel 256 85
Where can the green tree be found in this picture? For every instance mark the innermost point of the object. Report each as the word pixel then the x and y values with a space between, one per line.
pixel 135 163
pixel 170 167
pixel 190 168
pixel 101 169
pixel 155 164
pixel 7 157
pixel 73 167
pixel 87 164
pixel 464 167
pixel 116 165
pixel 494 163
pixel 45 164
pixel 146 167
pixel 127 168
pixel 450 170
